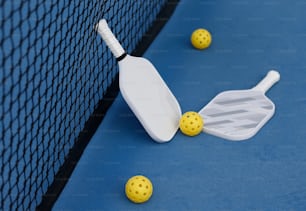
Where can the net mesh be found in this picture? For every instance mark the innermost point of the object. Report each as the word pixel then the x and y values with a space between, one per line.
pixel 55 70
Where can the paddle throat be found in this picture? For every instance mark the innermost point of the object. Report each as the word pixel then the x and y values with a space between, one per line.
pixel 121 57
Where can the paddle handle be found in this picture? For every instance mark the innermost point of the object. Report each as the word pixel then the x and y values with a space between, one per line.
pixel 265 84
pixel 109 38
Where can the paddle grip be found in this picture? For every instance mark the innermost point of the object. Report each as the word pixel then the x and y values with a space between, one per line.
pixel 265 84
pixel 109 38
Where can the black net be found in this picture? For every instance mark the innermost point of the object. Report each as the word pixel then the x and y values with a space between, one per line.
pixel 55 72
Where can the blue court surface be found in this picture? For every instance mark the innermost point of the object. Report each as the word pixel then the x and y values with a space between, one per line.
pixel 266 172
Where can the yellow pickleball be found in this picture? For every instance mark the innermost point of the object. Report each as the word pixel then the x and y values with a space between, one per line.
pixel 138 189
pixel 201 39
pixel 191 123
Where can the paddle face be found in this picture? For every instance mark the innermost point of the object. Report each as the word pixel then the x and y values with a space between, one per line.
pixel 149 98
pixel 237 115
